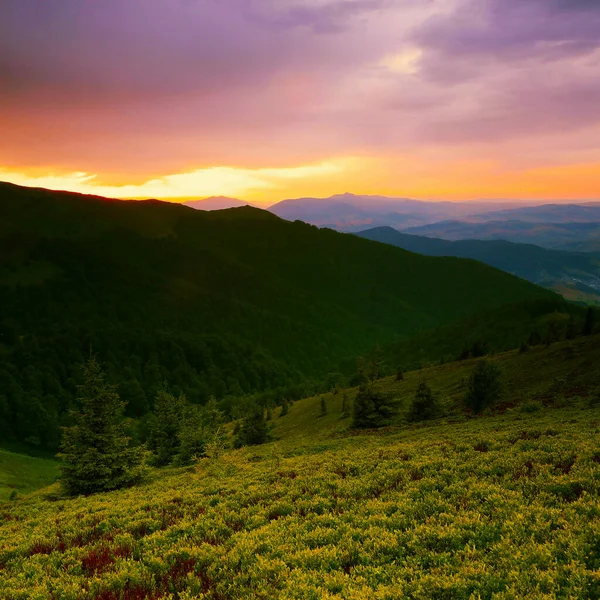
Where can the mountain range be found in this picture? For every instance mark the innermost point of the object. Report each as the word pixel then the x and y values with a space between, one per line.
pixel 567 226
pixel 222 303
pixel 350 212
pixel 575 236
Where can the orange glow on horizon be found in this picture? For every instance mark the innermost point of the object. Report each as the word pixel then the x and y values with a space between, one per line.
pixel 400 177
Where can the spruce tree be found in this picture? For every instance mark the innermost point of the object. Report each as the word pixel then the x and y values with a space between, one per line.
pixel 200 427
pixel 323 407
pixel 372 407
pixel 254 429
pixel 345 410
pixel 164 438
pixel 95 451
pixel 589 323
pixel 425 406
pixel 484 386
pixel 285 408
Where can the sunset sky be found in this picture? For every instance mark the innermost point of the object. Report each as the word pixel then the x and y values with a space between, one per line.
pixel 271 99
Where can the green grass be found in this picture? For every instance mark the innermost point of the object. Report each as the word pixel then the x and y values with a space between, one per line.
pixel 24 474
pixel 505 505
pixel 558 375
pixel 502 507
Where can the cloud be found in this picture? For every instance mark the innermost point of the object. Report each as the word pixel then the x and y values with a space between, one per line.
pixel 130 89
pixel 199 183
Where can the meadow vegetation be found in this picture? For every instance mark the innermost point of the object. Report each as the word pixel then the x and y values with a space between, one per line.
pixel 504 504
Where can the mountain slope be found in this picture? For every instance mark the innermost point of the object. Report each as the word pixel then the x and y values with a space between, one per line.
pixel 581 237
pixel 546 213
pixel 502 506
pixel 571 272
pixel 224 302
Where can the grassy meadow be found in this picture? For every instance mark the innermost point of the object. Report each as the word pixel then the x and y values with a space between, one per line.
pixel 22 474
pixel 504 505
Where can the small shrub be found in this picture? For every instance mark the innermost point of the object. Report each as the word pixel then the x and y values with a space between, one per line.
pixel 564 464
pixel 531 407
pixel 482 446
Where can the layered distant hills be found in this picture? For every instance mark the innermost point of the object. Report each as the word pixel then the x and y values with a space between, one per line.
pixel 574 274
pixel 557 226
pixel 226 302
pixel 349 212
pixel 583 237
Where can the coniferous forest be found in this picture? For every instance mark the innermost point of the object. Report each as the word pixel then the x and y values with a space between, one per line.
pixel 237 304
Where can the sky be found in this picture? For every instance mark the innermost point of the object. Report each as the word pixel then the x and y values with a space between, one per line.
pixel 271 99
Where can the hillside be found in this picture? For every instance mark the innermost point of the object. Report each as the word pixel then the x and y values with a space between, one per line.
pixel 502 505
pixel 574 274
pixel 588 212
pixel 579 237
pixel 20 474
pixel 223 302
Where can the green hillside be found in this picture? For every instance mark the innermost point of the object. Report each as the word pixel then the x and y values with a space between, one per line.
pixel 576 275
pixel 500 506
pixel 227 303
pixel 20 474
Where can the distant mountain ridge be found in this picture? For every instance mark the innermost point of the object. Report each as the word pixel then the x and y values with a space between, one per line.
pixel 574 274
pixel 546 213
pixel 225 303
pixel 572 236
pixel 350 212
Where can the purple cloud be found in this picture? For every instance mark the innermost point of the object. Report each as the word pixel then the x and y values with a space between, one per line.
pixel 508 69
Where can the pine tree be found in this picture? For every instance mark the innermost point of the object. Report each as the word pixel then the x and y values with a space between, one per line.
pixel 484 386
pixel 588 325
pixel 285 408
pixel 95 451
pixel 164 436
pixel 191 438
pixel 200 427
pixel 372 407
pixel 425 405
pixel 345 410
pixel 571 329
pixel 323 407
pixel 253 430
